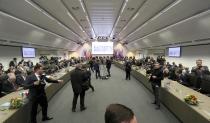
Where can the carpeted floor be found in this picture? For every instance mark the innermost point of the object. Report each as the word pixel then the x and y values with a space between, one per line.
pixel 114 90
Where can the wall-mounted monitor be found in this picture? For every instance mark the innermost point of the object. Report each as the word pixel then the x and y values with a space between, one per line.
pixel 102 48
pixel 28 52
pixel 174 51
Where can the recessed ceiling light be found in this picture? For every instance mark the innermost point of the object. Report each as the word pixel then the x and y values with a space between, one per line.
pixel 130 8
pixel 75 8
pixel 123 20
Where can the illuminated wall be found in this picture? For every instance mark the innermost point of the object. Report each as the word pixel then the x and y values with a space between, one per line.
pixel 85 51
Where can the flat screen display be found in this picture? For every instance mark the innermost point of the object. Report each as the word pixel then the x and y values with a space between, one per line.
pixel 174 52
pixel 28 52
pixel 102 48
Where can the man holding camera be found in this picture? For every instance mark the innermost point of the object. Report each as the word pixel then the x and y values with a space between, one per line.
pixel 37 96
pixel 155 79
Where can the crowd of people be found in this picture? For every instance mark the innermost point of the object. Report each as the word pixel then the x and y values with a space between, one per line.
pixel 172 71
pixel 158 69
pixel 14 77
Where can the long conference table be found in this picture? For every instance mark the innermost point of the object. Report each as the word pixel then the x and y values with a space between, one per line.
pixel 22 115
pixel 172 96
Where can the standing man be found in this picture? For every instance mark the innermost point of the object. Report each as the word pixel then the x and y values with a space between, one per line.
pixel 200 71
pixel 108 65
pixel 97 69
pixel 77 81
pixel 36 85
pixel 128 70
pixel 155 79
pixel 91 62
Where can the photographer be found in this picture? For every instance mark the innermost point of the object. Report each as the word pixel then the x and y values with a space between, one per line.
pixel 155 79
pixel 36 85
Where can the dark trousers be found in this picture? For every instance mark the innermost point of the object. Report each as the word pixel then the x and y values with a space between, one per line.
pixel 82 99
pixel 98 74
pixel 198 83
pixel 108 71
pixel 128 75
pixel 156 89
pixel 91 68
pixel 90 85
pixel 42 101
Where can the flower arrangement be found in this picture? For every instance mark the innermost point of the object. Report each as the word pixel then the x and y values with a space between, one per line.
pixel 191 99
pixel 16 103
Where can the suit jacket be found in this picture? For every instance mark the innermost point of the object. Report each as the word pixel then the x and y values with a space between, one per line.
pixel 108 64
pixel 200 72
pixel 96 67
pixel 128 66
pixel 159 74
pixel 77 79
pixel 36 91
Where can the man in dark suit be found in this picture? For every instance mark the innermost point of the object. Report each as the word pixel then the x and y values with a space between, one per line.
pixel 200 71
pixel 108 65
pixel 97 69
pixel 128 66
pixel 155 79
pixel 77 81
pixel 36 85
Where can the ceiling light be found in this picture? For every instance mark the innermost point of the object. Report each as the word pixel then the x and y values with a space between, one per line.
pixel 70 15
pixel 135 16
pixel 75 8
pixel 82 5
pixel 177 2
pixel 130 9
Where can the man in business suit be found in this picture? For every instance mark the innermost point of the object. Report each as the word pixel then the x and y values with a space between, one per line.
pixel 36 85
pixel 77 80
pixel 128 67
pixel 97 69
pixel 155 79
pixel 200 71
pixel 108 65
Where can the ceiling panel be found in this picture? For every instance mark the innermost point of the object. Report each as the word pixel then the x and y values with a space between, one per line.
pixel 195 28
pixel 180 11
pixel 79 12
pixel 147 11
pixel 15 30
pixel 29 13
pixel 103 14
pixel 59 11
pixel 128 12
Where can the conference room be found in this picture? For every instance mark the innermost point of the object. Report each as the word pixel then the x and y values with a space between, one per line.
pixel 104 61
